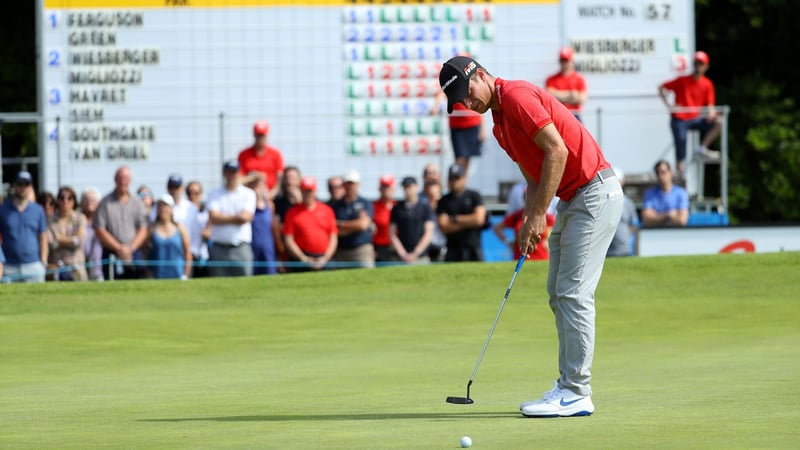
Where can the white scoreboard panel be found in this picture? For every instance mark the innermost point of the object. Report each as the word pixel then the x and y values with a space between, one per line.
pixel 625 49
pixel 175 85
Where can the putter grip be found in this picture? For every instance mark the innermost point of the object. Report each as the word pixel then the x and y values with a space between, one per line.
pixel 519 263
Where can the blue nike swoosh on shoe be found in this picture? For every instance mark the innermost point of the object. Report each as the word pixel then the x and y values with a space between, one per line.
pixel 563 403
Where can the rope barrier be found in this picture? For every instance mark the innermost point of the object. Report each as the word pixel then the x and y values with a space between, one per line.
pixel 146 264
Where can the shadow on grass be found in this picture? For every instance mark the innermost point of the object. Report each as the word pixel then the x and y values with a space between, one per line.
pixel 324 417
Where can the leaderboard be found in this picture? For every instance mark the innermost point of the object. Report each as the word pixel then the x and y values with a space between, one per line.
pixel 162 85
pixel 392 56
pixel 94 72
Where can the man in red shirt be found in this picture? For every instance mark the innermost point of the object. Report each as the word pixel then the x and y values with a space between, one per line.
pixel 568 86
pixel 309 230
pixel 514 222
pixel 557 156
pixel 382 213
pixel 694 94
pixel 263 158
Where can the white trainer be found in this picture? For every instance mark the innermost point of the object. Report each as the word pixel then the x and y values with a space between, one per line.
pixel 545 397
pixel 559 403
pixel 704 154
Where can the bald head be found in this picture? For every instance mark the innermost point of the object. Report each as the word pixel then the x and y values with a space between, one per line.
pixel 122 179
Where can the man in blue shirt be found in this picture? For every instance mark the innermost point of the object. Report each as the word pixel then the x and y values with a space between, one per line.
pixel 623 242
pixel 354 221
pixel 23 226
pixel 2 261
pixel 665 205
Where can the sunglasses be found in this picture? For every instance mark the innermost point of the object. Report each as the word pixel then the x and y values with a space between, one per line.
pixel 66 197
pixel 192 192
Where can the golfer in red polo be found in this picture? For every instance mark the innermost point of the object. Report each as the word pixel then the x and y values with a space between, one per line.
pixel 557 156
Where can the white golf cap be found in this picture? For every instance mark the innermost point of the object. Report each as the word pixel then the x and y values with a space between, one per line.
pixel 351 176
pixel 167 199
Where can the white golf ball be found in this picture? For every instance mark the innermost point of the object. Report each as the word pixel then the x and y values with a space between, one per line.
pixel 466 441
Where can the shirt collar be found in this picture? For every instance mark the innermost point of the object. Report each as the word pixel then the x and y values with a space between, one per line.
pixel 498 90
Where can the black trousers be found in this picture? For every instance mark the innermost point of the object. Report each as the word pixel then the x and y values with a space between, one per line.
pixel 131 271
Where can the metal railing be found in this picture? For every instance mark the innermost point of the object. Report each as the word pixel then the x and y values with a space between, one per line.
pixel 22 161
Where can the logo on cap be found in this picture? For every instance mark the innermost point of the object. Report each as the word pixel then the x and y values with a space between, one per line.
pixel 449 82
pixel 455 171
pixel 23 177
pixel 470 68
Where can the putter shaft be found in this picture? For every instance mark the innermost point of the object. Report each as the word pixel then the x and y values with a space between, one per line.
pixel 467 400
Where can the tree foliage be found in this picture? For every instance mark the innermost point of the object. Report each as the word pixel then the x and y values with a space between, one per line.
pixel 766 161
pixel 750 43
pixel 17 79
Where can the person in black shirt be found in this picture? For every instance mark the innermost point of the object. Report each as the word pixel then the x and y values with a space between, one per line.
pixel 461 215
pixel 411 225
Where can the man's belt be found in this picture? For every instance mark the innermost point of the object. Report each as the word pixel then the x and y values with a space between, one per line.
pixel 598 178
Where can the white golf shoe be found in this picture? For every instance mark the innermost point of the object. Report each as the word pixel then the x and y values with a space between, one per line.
pixel 558 402
pixel 545 397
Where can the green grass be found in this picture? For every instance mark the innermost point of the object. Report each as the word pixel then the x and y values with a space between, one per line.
pixel 692 352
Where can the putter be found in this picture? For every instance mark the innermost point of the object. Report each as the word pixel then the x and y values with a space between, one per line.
pixel 467 400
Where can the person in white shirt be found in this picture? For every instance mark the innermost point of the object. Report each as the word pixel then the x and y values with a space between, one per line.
pixel 199 230
pixel 230 213
pixel 181 210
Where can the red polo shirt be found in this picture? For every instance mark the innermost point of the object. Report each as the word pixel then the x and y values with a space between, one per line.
pixel 270 163
pixel 524 109
pixel 381 216
pixel 691 92
pixel 311 228
pixel 514 220
pixel 572 82
pixel 464 118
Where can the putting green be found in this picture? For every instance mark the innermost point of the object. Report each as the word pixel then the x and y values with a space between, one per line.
pixel 698 352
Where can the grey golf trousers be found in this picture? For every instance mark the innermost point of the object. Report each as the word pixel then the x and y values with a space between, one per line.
pixel 578 243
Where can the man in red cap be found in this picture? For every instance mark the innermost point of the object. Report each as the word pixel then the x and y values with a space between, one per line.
pixel 557 156
pixel 309 230
pixel 693 109
pixel 382 214
pixel 568 86
pixel 263 158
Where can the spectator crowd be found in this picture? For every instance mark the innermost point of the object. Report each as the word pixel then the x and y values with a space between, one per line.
pixel 267 218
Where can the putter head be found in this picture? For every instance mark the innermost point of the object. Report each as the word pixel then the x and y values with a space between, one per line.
pixel 459 400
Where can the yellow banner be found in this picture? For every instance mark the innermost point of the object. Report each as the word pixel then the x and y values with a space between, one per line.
pixel 168 4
